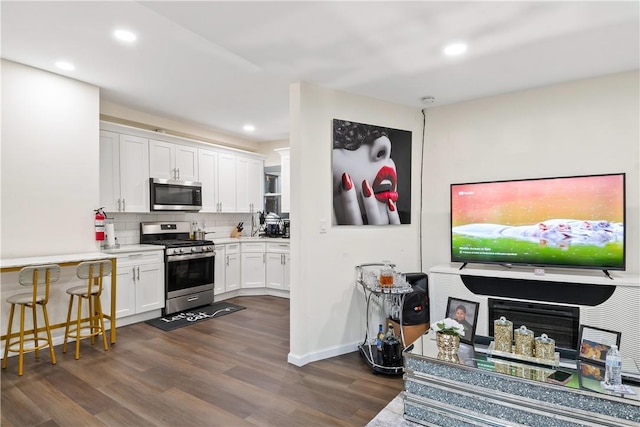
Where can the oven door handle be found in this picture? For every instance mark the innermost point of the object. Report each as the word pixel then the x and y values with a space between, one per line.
pixel 174 258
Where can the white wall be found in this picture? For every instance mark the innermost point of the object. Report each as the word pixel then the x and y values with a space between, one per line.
pixel 49 163
pixel 267 148
pixel 583 127
pixel 327 310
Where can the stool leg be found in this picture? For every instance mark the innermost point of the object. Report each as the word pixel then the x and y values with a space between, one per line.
pixel 92 320
pixel 35 330
pixel 46 323
pixel 78 327
pixel 101 318
pixel 66 329
pixel 7 340
pixel 21 348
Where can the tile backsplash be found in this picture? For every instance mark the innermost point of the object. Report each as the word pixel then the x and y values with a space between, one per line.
pixel 127 225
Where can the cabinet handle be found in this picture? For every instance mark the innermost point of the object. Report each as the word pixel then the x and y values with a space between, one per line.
pixel 264 258
pixel 124 208
pixel 138 273
pixel 282 259
pixel 227 260
pixel 178 173
pixel 133 269
pixel 118 205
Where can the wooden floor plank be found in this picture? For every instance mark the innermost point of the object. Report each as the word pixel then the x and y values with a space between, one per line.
pixel 226 371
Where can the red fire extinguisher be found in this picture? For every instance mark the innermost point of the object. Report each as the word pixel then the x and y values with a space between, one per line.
pixel 100 217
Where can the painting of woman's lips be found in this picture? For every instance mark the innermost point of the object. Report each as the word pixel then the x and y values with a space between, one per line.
pixel 385 184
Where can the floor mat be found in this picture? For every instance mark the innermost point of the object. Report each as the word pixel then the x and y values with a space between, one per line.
pixel 193 316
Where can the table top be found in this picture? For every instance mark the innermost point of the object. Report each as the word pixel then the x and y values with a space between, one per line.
pixel 11 263
pixel 584 377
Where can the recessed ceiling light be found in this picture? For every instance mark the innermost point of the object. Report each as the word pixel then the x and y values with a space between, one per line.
pixel 124 35
pixel 249 127
pixel 64 65
pixel 455 49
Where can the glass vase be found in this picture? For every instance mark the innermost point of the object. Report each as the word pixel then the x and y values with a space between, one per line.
pixel 447 345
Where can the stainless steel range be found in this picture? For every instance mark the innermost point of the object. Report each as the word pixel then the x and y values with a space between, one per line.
pixel 189 264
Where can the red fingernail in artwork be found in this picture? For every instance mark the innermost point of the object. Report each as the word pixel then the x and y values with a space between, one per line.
pixel 366 189
pixel 346 182
pixel 392 206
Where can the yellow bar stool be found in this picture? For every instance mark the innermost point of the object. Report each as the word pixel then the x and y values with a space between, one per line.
pixel 39 277
pixel 93 325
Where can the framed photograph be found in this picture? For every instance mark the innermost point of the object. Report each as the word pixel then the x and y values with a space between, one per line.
pixel 371 168
pixel 594 343
pixel 466 313
pixel 590 375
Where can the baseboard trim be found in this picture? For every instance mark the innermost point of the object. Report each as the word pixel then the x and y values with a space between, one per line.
pixel 301 360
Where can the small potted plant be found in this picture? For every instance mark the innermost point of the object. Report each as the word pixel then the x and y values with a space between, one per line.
pixel 448 332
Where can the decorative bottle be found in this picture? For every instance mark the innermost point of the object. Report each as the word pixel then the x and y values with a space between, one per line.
pixel 379 339
pixel 613 365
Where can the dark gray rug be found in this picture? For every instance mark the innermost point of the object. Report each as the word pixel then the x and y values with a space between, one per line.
pixel 193 316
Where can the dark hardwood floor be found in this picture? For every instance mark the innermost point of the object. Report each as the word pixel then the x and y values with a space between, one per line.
pixel 228 371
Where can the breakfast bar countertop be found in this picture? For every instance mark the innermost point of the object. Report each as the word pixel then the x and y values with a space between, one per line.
pixel 11 263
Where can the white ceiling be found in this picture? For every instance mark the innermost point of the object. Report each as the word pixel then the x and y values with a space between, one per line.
pixel 222 64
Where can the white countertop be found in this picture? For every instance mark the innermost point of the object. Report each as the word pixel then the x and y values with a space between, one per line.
pixel 224 240
pixel 133 248
pixel 52 259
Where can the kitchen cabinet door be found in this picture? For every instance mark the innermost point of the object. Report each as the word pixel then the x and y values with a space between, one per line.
pixel 109 171
pixel 219 270
pixel 186 162
pixel 275 271
pixel 250 179
pixel 134 174
pixel 125 293
pixel 149 287
pixel 173 161
pixel 161 160
pixel 232 272
pixel 252 270
pixel 208 176
pixel 227 182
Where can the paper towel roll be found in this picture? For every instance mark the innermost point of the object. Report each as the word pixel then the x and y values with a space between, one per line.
pixel 111 235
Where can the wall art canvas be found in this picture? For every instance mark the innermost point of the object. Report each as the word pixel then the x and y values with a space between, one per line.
pixel 371 174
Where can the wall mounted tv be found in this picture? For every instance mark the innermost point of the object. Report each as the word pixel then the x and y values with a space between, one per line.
pixel 573 222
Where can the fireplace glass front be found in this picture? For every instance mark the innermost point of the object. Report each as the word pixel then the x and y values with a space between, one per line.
pixel 560 323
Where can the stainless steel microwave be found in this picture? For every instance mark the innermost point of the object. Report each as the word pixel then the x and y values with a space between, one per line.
pixel 172 195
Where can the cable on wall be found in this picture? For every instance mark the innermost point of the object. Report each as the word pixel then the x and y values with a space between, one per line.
pixel 424 130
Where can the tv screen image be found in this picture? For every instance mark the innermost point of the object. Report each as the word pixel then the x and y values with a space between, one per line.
pixel 573 222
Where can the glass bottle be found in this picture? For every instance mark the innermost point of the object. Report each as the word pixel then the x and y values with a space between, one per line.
pixel 379 338
pixel 386 275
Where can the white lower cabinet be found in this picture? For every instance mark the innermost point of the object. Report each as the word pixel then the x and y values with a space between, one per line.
pixel 252 264
pixel 277 268
pixel 140 283
pixel 227 268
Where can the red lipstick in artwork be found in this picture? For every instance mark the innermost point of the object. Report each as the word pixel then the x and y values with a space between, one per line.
pixel 384 185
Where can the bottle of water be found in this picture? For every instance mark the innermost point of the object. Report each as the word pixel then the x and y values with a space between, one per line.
pixel 613 371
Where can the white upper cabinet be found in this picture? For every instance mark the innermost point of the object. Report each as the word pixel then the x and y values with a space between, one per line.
pixel 227 182
pixel 250 175
pixel 124 172
pixel 208 169
pixel 173 161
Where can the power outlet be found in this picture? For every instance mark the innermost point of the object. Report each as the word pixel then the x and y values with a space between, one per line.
pixel 323 226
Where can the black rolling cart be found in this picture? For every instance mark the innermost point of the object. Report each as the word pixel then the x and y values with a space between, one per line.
pixel 389 298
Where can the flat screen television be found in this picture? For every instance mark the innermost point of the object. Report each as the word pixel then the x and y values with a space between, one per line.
pixel 572 222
